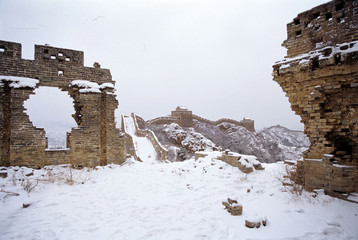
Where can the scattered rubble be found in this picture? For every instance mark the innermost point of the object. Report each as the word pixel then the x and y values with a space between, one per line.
pixel 255 221
pixel 233 207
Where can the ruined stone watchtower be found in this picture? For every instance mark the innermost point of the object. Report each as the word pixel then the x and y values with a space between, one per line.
pixel 96 140
pixel 183 116
pixel 320 78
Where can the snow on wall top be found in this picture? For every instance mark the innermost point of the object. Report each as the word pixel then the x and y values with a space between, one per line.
pixel 19 82
pixel 91 87
pixel 106 85
pixel 320 53
pixel 182 108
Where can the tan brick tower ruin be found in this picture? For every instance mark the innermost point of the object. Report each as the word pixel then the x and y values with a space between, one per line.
pixel 320 78
pixel 96 140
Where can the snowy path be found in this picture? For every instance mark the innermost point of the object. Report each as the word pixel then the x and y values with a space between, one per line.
pixel 143 146
pixel 179 200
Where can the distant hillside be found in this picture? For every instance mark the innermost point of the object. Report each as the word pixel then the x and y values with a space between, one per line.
pixel 270 145
pixel 286 136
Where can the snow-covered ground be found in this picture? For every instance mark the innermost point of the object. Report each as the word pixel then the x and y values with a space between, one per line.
pixel 143 146
pixel 156 200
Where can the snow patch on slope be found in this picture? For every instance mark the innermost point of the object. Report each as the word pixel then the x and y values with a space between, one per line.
pixel 286 136
pixel 142 145
pixel 239 139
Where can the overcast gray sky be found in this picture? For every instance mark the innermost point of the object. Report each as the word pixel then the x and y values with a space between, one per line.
pixel 213 56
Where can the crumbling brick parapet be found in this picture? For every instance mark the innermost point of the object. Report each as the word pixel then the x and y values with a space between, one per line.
pixel 325 25
pixel 320 78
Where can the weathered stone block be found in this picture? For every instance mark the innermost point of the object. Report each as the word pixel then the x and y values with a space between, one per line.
pixel 3 174
pixel 233 207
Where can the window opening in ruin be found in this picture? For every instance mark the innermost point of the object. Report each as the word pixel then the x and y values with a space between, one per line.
pixel 51 109
pixel 315 63
pixel 67 59
pixel 327 52
pixel 343 146
pixel 340 19
pixel 297 21
pixel 344 47
pixel 53 57
pixel 2 49
pixel 298 33
pixel 60 73
pixel 329 16
pixel 60 54
pixel 46 51
pixel 340 6
pixel 337 59
pixel 316 15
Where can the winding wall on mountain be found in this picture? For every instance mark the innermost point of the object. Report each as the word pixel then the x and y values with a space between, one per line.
pixel 162 152
pixel 246 123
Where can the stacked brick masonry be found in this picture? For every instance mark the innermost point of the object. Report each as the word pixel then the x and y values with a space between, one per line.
pixel 327 24
pixel 183 116
pixel 96 140
pixel 322 87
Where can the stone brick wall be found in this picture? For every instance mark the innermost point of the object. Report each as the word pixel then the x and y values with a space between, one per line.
pixel 56 157
pixel 129 143
pixel 163 120
pixel 322 173
pixel 320 78
pixel 96 140
pixel 141 123
pixel 325 25
pixel 246 123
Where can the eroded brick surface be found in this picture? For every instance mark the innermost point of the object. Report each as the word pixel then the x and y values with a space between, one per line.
pixel 320 78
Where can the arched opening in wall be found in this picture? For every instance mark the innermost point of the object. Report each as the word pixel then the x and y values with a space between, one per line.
pixel 52 109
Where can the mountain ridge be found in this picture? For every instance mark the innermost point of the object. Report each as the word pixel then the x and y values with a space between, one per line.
pixel 275 143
